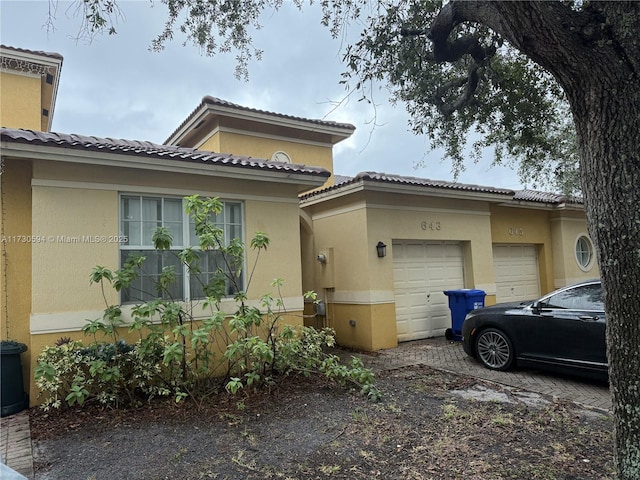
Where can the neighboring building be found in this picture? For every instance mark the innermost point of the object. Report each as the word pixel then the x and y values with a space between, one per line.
pixel 68 200
pixel 438 236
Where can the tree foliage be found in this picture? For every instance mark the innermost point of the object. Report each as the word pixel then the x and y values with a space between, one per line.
pixel 486 90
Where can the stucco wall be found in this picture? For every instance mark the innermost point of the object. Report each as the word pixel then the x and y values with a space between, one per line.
pixel 462 221
pixel 20 101
pixel 530 227
pixel 16 244
pixel 566 228
pixel 357 285
pixel 309 154
pixel 282 258
pixel 80 226
pixel 73 212
pixel 73 205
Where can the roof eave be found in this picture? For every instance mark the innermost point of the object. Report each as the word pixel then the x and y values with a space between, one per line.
pixel 336 132
pixel 197 117
pixel 396 188
pixel 304 180
pixel 547 206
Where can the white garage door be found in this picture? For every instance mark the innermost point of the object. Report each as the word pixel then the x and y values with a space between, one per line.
pixel 421 271
pixel 516 269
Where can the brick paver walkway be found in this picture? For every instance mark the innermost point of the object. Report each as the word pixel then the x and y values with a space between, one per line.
pixel 442 354
pixel 15 443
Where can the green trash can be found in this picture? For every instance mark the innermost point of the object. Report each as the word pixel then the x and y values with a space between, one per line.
pixel 13 398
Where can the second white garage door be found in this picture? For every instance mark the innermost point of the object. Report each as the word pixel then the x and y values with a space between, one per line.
pixel 421 271
pixel 516 270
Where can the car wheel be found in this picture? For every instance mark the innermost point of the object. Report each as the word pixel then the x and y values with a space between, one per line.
pixel 494 349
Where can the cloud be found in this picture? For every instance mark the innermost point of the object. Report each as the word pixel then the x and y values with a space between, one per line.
pixel 116 87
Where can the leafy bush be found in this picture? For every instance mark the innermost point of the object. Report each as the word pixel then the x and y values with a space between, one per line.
pixel 181 353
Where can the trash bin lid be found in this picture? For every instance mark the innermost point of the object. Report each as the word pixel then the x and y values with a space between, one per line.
pixel 464 292
pixel 10 347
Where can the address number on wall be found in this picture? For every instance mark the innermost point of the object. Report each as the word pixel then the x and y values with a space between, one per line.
pixel 517 231
pixel 430 226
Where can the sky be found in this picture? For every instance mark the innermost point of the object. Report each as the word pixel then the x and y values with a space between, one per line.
pixel 116 87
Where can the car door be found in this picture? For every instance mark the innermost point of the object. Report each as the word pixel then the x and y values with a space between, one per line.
pixel 567 328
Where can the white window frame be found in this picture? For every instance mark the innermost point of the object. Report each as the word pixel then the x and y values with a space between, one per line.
pixel 178 244
pixel 579 252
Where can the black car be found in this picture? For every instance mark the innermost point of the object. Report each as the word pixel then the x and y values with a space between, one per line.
pixel 563 331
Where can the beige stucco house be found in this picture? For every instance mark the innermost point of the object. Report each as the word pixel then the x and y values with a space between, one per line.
pixel 69 202
pixel 438 236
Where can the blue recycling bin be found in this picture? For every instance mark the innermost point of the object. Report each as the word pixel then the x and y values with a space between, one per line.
pixel 461 302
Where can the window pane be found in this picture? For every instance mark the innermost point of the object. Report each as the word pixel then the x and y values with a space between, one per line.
pixel 131 230
pixel 151 219
pixel 151 209
pixel 584 252
pixel 233 213
pixel 173 210
pixel 176 233
pixel 211 263
pixel 173 219
pixel 130 220
pixel 147 232
pixel 587 297
pixel 130 208
pixel 193 238
pixel 235 231
pixel 144 288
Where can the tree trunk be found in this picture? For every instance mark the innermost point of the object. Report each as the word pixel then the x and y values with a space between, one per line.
pixel 608 126
pixel 594 53
pixel 603 89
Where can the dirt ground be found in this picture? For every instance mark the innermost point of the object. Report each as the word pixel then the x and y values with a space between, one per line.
pixel 428 425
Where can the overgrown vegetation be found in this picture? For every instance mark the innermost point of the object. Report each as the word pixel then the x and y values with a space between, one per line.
pixel 190 348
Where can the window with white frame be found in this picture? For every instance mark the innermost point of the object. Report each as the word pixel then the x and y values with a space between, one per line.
pixel 140 215
pixel 584 252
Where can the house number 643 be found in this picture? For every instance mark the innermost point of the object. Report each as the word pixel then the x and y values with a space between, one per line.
pixel 430 225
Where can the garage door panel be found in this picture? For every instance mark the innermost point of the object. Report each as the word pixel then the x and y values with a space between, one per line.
pixel 422 270
pixel 516 271
pixel 415 276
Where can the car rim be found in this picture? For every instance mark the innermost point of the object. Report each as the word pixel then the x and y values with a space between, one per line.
pixel 493 349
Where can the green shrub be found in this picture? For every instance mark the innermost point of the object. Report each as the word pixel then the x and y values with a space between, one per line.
pixel 177 355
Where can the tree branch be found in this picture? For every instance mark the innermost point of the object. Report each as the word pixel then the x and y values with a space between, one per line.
pixel 446 50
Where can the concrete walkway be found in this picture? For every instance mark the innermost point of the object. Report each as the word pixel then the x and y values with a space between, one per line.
pixel 439 353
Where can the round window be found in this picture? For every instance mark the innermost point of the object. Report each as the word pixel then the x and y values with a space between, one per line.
pixel 584 252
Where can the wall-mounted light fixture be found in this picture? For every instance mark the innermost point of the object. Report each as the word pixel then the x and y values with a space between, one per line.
pixel 382 250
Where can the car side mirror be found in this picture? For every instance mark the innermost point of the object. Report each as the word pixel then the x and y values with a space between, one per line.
pixel 536 307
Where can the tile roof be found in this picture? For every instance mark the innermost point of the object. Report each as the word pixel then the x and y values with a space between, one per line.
pixel 57 56
pixel 149 150
pixel 208 100
pixel 517 195
pixel 341 181
pixel 545 197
